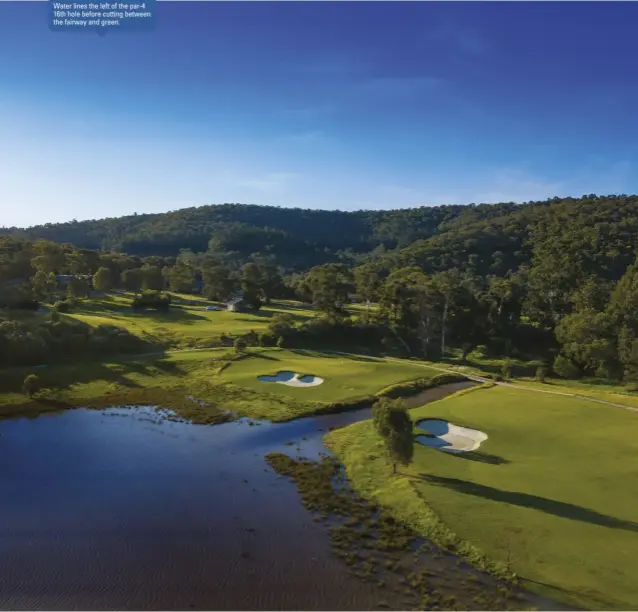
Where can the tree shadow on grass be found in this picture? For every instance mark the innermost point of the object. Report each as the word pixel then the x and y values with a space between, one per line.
pixel 542 504
pixel 314 354
pixel 481 457
pixel 357 357
pixel 264 356
pixel 119 373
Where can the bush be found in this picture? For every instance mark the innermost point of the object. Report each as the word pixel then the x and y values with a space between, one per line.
pixel 55 316
pixel 506 370
pixel 541 372
pixel 280 342
pixel 31 385
pixel 251 338
pixel 151 299
pixel 266 339
pixel 565 367
pixel 63 306
pixel 240 345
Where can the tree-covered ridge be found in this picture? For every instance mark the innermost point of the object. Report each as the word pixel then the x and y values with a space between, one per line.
pixel 526 280
pixel 313 235
pixel 596 233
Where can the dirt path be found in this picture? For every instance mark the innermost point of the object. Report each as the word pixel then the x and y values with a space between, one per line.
pixel 482 379
pixel 522 387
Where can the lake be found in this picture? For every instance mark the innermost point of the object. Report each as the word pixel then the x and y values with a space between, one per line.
pixel 125 509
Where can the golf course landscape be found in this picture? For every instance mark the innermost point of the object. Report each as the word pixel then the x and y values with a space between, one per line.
pixel 319 306
pixel 542 498
pixel 546 495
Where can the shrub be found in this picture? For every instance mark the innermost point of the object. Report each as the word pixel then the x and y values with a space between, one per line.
pixel 565 367
pixel 281 324
pixel 151 299
pixel 251 338
pixel 63 306
pixel 280 342
pixel 265 339
pixel 480 352
pixel 506 370
pixel 240 345
pixel 55 316
pixel 541 372
pixel 31 385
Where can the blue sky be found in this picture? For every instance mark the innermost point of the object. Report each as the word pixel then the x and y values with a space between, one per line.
pixel 319 105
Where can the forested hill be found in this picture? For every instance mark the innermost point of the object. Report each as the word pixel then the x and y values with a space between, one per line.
pixel 286 232
pixel 592 234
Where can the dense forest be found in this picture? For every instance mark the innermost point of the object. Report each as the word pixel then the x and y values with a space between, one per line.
pixel 554 281
pixel 298 238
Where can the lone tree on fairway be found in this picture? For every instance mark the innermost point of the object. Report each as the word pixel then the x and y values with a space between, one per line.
pixel 394 425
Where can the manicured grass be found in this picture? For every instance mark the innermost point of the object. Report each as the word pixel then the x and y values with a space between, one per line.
pixel 215 376
pixel 548 493
pixel 187 323
pixel 345 377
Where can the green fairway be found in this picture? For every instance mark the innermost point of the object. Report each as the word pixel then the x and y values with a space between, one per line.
pixel 187 323
pixel 345 377
pixel 216 376
pixel 550 491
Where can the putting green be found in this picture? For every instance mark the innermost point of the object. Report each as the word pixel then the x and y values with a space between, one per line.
pixel 549 490
pixel 345 377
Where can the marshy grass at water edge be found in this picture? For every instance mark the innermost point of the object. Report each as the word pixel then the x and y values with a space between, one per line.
pixel 375 547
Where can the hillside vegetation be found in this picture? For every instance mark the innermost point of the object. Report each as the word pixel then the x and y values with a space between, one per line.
pixel 552 283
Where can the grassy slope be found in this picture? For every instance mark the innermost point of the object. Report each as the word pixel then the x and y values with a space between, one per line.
pixel 187 323
pixel 562 503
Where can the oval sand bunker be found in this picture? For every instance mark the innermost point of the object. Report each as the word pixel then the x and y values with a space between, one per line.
pixel 448 437
pixel 292 379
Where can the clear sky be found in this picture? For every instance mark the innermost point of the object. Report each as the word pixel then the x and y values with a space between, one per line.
pixel 319 105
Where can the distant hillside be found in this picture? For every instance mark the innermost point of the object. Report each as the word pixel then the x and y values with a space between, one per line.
pixel 594 234
pixel 293 235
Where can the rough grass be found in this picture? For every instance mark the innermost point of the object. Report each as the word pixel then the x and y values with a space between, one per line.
pixel 387 552
pixel 548 494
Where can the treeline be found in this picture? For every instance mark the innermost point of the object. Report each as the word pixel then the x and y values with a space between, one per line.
pixel 577 328
pixel 47 340
pixel 46 271
pixel 486 238
pixel 298 238
pixel 553 281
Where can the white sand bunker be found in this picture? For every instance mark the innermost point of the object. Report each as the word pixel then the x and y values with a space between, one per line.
pixel 292 379
pixel 448 437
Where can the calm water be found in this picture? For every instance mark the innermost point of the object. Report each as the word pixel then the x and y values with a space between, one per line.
pixel 122 509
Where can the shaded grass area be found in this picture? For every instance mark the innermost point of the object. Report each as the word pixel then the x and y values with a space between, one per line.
pixel 187 323
pixel 548 497
pixel 389 553
pixel 173 382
